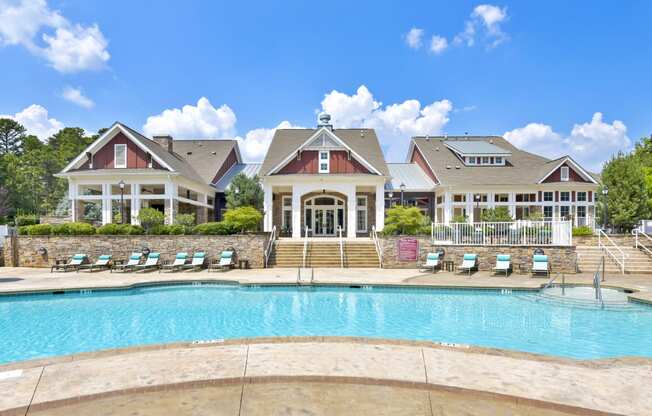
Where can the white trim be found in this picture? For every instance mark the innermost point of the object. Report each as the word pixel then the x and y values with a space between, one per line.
pixel 122 165
pixel 310 139
pixel 562 170
pixel 413 143
pixel 364 209
pixel 584 173
pixel 320 161
pixel 284 208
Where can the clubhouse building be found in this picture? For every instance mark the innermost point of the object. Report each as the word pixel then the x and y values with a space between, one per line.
pixel 325 181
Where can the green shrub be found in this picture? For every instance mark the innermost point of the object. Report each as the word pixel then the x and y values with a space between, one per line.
pixel 39 229
pixel 498 214
pixel 80 228
pixel 243 219
pixel 406 221
pixel 23 229
pixel 459 218
pixel 160 229
pixel 111 229
pixel 26 219
pixel 214 228
pixel 582 231
pixel 187 220
pixel 177 229
pixel 133 229
pixel 60 229
pixel 150 218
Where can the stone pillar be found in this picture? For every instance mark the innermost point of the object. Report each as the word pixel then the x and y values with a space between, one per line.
pixel 202 215
pixel 268 221
pixel 380 207
pixel 297 232
pixel 79 210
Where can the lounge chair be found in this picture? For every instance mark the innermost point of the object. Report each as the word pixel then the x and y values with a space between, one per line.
pixel 73 264
pixel 226 261
pixel 540 265
pixel 469 263
pixel 432 261
pixel 198 261
pixel 152 262
pixel 102 262
pixel 134 260
pixel 503 264
pixel 178 263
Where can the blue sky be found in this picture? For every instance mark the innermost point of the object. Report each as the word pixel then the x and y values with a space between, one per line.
pixel 555 77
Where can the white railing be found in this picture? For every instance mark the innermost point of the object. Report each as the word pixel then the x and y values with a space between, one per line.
pixel 379 249
pixel 641 243
pixel 516 233
pixel 339 232
pixel 305 246
pixel 610 247
pixel 270 245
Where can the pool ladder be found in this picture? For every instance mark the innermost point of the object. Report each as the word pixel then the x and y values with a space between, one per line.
pixel 312 277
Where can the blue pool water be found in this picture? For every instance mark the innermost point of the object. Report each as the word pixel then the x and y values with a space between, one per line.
pixel 44 325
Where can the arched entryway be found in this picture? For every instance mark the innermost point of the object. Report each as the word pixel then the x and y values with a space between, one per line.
pixel 323 214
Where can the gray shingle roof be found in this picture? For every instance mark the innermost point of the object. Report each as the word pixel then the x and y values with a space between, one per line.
pixel 362 141
pixel 249 169
pixel 522 168
pixel 410 174
pixel 476 147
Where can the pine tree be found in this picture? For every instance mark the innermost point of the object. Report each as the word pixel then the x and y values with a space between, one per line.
pixel 12 134
pixel 243 192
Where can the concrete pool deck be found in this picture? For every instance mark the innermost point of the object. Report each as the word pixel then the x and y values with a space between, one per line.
pixel 521 383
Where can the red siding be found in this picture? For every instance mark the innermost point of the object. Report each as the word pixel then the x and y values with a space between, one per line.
pixel 572 175
pixel 418 158
pixel 230 160
pixel 104 158
pixel 339 163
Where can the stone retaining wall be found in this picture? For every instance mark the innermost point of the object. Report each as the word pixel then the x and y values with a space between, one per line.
pixel 561 258
pixel 24 250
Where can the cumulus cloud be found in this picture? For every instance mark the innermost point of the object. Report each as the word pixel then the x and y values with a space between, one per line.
pixel 589 143
pixel 36 121
pixel 413 38
pixel 75 96
pixel 485 18
pixel 395 123
pixel 438 44
pixel 256 142
pixel 67 47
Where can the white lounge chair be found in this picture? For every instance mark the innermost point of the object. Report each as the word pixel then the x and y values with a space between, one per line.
pixel 469 263
pixel 198 261
pixel 226 261
pixel 540 265
pixel 134 260
pixel 73 264
pixel 503 264
pixel 102 262
pixel 177 264
pixel 432 261
pixel 152 262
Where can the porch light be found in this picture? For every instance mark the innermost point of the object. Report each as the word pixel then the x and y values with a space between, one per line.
pixel 402 186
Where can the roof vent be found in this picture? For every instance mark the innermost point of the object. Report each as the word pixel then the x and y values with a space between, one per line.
pixel 324 120
pixel 437 148
pixel 491 141
pixel 457 166
pixel 213 153
pixel 448 166
pixel 188 153
pixel 361 133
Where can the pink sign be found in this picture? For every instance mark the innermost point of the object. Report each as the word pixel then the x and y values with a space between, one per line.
pixel 408 249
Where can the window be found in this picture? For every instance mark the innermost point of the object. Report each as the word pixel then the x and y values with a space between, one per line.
pixel 440 199
pixel 501 198
pixel 152 189
pixel 324 162
pixel 547 212
pixel 564 173
pixel 485 160
pixel 564 211
pixel 472 160
pixel 581 197
pixel 459 198
pixel 115 189
pixel 90 190
pixel 548 196
pixel 286 219
pixel 361 214
pixel 581 212
pixel 564 196
pixel 120 154
pixel 499 160
pixel 526 197
pixel 479 197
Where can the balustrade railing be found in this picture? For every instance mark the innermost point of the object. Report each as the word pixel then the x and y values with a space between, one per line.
pixel 516 233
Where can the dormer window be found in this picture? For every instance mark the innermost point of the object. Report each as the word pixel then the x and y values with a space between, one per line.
pixel 120 156
pixel 324 161
pixel 565 173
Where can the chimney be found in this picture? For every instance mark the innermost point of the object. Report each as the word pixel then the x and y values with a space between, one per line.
pixel 164 141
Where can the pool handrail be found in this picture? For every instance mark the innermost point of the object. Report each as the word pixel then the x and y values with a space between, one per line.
pixel 602 236
pixel 270 245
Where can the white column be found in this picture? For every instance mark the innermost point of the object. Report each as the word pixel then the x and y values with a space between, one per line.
pixel 107 212
pixel 135 203
pixel 72 195
pixel 469 206
pixel 448 210
pixel 297 232
pixel 268 219
pixel 380 207
pixel 350 212
pixel 171 192
pixel 512 204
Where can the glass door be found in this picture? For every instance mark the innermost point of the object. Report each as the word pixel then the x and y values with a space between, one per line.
pixel 319 222
pixel 324 221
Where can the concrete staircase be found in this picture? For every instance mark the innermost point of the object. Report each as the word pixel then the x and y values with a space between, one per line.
pixel 636 261
pixel 289 253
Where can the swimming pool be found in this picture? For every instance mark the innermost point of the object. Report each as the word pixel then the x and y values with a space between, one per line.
pixel 42 325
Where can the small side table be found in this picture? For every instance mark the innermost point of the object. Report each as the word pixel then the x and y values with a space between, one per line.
pixel 449 265
pixel 522 268
pixel 243 264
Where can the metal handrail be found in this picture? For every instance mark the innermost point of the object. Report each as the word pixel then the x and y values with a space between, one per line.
pixel 270 244
pixel 552 279
pixel 638 244
pixel 596 283
pixel 305 246
pixel 339 231
pixel 376 240
pixel 605 248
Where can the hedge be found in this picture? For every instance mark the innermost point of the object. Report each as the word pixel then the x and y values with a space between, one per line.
pixel 214 228
pixel 81 228
pixel 582 231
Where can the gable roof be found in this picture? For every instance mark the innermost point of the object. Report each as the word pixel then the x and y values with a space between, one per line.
pixel 206 157
pixel 521 168
pixel 410 174
pixel 286 142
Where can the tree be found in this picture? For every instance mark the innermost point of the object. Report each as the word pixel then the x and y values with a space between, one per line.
pixel 12 134
pixel 244 191
pixel 150 218
pixel 243 218
pixel 498 214
pixel 627 199
pixel 405 220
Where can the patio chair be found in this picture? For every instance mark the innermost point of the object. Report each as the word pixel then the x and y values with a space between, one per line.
pixel 469 263
pixel 102 263
pixel 540 265
pixel 432 261
pixel 503 264
pixel 226 261
pixel 152 262
pixel 134 260
pixel 178 263
pixel 198 261
pixel 73 264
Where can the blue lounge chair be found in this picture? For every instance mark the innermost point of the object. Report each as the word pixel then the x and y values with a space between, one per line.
pixel 469 263
pixel 540 265
pixel 177 264
pixel 151 263
pixel 503 264
pixel 198 261
pixel 102 262
pixel 432 261
pixel 75 262
pixel 134 260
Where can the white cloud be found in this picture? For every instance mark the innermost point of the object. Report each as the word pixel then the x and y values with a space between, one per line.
pixel 413 38
pixel 438 44
pixel 256 142
pixel 488 18
pixel 395 124
pixel 589 143
pixel 200 121
pixel 75 96
pixel 36 121
pixel 71 48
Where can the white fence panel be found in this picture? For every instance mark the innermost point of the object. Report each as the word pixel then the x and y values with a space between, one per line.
pixel 517 233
